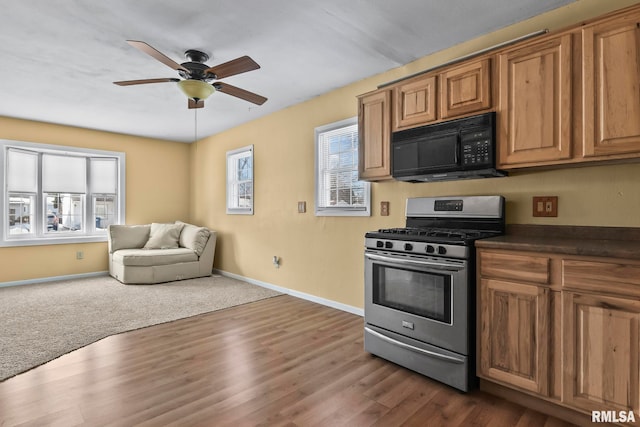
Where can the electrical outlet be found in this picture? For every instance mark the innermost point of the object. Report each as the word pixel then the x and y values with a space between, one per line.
pixel 302 207
pixel 545 206
pixel 79 255
pixel 384 208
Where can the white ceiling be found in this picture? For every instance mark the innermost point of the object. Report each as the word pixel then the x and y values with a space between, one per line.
pixel 59 58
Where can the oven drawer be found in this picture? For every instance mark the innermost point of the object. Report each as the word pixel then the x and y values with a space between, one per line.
pixel 445 366
pixel 529 268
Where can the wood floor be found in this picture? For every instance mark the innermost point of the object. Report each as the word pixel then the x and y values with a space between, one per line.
pixel 282 361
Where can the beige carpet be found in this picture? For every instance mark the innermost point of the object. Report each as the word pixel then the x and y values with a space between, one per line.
pixel 41 322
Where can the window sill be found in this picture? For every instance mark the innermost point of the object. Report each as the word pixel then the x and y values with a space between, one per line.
pixel 54 241
pixel 240 212
pixel 343 212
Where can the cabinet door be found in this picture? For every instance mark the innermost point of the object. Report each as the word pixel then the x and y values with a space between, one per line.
pixel 515 334
pixel 415 102
pixel 465 89
pixel 374 134
pixel 534 113
pixel 601 352
pixel 611 87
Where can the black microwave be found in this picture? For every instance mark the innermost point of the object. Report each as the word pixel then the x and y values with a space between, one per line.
pixel 455 149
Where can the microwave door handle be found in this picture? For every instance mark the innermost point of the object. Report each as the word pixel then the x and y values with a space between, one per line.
pixel 425 263
pixel 413 348
pixel 459 150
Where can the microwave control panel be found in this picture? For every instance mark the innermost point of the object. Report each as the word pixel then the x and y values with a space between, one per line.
pixel 477 148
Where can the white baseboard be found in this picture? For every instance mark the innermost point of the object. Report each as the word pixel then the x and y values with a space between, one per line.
pixel 329 303
pixel 53 279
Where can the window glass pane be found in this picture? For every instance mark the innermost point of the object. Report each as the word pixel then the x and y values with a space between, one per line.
pixel 64 173
pixel 104 208
pixel 334 146
pixel 21 214
pixel 22 171
pixel 64 212
pixel 244 199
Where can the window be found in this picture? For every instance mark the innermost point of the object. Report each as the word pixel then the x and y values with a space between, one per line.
pixel 55 194
pixel 338 190
pixel 240 181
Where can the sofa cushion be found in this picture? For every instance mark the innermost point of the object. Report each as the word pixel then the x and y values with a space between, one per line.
pixel 128 236
pixel 193 237
pixel 149 257
pixel 164 236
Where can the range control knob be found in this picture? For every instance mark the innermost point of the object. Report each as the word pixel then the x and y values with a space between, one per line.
pixel 408 247
pixel 442 250
pixel 379 244
pixel 388 245
pixel 430 249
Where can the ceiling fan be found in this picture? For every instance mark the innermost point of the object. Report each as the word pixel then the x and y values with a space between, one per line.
pixel 198 79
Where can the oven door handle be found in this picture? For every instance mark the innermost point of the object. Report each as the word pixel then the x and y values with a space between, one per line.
pixel 415 349
pixel 439 265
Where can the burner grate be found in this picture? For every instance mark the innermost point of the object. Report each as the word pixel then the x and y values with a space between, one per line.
pixel 440 233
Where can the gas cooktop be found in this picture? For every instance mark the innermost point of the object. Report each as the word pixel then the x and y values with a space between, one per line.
pixel 440 235
pixel 443 221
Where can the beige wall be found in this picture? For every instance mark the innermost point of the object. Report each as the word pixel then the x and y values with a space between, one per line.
pixel 157 184
pixel 323 256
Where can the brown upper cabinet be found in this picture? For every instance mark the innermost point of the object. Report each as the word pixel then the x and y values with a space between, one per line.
pixel 562 99
pixel 374 136
pixel 534 111
pixel 611 86
pixel 572 98
pixel 465 89
pixel 414 102
pixel 453 91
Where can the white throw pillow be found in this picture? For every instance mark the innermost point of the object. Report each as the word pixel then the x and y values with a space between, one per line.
pixel 164 236
pixel 193 237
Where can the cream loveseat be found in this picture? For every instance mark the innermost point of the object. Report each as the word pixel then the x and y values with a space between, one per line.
pixel 156 253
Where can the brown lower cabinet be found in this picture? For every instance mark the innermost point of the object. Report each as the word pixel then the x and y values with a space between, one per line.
pixel 563 328
pixel 515 328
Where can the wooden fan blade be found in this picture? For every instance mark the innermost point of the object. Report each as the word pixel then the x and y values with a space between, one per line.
pixel 240 93
pixel 233 67
pixel 193 104
pixel 144 47
pixel 144 81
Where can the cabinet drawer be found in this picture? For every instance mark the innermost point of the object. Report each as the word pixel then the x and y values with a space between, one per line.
pixel 528 268
pixel 609 277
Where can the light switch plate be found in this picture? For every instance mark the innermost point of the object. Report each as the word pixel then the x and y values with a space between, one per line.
pixel 302 207
pixel 545 206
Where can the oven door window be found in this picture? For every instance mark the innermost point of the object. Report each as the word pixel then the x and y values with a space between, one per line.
pixel 424 294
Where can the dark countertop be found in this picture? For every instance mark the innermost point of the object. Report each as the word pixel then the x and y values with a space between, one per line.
pixel 612 242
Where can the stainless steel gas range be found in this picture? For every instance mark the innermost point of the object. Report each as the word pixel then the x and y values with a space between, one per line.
pixel 420 286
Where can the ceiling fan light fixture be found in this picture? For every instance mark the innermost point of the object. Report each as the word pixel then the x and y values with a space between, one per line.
pixel 196 89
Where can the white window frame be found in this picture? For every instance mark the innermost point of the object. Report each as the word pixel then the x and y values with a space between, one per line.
pixel 41 236
pixel 233 183
pixel 321 210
